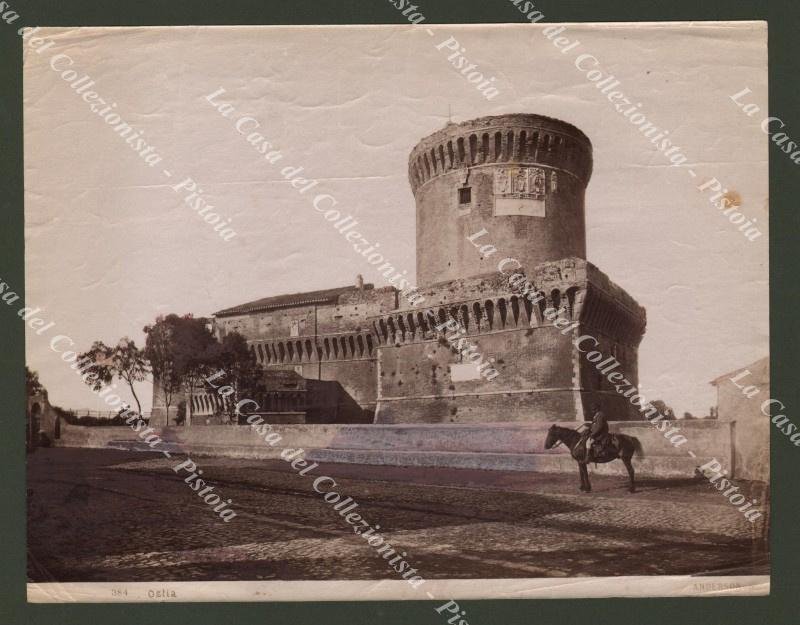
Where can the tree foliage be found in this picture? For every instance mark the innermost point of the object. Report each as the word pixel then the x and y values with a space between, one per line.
pixel 130 365
pixel 160 353
pixel 662 408
pixel 182 351
pixel 100 356
pixel 124 361
pixel 241 373
pixel 197 354
pixel 32 384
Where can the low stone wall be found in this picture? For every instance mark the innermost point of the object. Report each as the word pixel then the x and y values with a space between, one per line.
pixel 83 436
pixel 501 446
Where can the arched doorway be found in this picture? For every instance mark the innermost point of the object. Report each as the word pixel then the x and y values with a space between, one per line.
pixel 33 424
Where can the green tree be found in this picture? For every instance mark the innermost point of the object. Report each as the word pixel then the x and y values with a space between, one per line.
pixel 160 353
pixel 124 361
pixel 129 364
pixel 180 418
pixel 67 415
pixel 197 354
pixel 32 384
pixel 242 373
pixel 662 408
pixel 100 356
pixel 181 351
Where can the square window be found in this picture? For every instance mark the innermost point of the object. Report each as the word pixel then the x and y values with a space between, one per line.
pixel 465 195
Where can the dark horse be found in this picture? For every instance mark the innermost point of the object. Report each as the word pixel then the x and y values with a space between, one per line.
pixel 625 448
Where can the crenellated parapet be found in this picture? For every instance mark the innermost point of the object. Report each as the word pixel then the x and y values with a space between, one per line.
pixel 496 313
pixel 486 304
pixel 515 181
pixel 526 329
pixel 601 305
pixel 322 348
pixel 478 305
pixel 519 139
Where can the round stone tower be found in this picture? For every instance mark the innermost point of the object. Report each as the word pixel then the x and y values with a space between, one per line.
pixel 520 177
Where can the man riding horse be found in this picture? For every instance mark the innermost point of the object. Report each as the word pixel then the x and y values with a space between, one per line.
pixel 597 438
pixel 595 445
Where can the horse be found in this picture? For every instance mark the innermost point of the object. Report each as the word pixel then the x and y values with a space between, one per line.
pixel 625 448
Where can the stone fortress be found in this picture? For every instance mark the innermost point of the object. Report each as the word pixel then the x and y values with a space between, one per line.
pixel 360 354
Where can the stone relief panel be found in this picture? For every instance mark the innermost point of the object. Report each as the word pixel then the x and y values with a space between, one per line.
pixel 520 191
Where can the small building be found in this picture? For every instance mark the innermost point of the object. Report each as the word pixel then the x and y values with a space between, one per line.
pixel 751 428
pixel 43 424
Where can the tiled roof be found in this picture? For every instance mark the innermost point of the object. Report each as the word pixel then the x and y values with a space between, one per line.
pixel 325 296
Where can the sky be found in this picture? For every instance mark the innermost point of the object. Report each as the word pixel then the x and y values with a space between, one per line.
pixel 110 245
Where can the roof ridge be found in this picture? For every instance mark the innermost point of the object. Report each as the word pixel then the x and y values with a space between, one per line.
pixel 287 300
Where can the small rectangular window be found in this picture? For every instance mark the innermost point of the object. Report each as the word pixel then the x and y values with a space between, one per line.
pixel 465 195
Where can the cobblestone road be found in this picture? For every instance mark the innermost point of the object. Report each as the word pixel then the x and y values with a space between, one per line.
pixel 107 515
